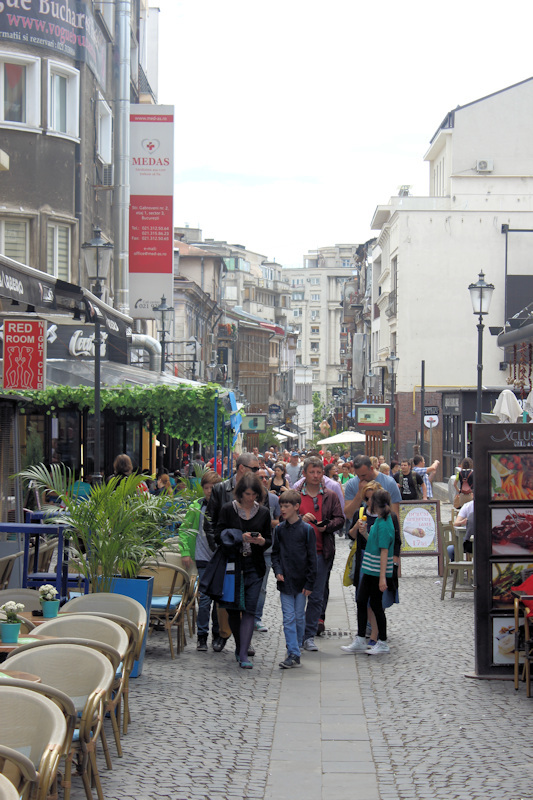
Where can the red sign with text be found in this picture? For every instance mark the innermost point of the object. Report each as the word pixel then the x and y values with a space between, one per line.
pixel 24 354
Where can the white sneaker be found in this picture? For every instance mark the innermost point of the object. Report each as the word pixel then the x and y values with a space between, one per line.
pixel 378 648
pixel 309 644
pixel 359 645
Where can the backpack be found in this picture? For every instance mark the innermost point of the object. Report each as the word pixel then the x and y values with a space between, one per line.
pixel 466 481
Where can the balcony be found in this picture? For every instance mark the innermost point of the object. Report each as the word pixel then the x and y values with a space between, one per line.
pixel 392 305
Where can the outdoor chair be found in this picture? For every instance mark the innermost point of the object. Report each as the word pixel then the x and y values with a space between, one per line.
pixel 61 700
pixel 97 628
pixel 134 645
pixel 458 566
pixel 18 770
pixel 6 568
pixel 171 555
pixel 110 653
pixel 36 727
pixel 86 676
pixel 7 790
pixel 169 600
pixel 29 597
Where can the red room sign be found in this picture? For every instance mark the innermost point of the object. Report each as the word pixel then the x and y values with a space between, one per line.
pixel 24 354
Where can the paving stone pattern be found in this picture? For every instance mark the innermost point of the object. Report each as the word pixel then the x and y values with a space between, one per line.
pixel 203 729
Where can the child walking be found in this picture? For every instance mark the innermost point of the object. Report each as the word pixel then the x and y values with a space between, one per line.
pixel 294 565
pixel 377 566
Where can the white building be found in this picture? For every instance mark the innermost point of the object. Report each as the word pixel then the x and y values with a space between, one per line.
pixel 429 250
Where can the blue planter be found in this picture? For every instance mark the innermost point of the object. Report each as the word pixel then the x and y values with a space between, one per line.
pixel 9 631
pixel 50 608
pixel 139 589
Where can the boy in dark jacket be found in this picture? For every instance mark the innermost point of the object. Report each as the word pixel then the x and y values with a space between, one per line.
pixel 294 565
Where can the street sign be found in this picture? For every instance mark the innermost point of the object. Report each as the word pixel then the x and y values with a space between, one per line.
pixel 431 411
pixel 24 354
pixel 431 421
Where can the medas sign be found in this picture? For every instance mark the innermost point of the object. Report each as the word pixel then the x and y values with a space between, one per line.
pixel 66 26
pixel 24 354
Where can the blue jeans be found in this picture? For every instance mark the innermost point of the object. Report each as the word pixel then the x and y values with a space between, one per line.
pixel 315 600
pixel 204 608
pixel 263 592
pixel 293 609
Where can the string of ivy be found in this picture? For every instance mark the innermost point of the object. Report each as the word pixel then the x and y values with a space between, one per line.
pixel 184 413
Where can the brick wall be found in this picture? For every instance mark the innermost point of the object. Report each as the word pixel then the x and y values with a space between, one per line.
pixel 408 426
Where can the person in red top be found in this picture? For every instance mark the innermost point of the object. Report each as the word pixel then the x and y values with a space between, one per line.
pixel 211 462
pixel 321 508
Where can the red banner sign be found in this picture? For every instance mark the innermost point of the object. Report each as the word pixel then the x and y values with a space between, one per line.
pixel 24 354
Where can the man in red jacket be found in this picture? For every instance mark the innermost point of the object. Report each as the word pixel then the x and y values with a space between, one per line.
pixel 321 508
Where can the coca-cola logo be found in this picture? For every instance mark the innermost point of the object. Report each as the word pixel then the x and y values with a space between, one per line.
pixel 81 346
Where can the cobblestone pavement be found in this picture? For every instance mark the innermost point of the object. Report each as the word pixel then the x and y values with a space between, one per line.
pixel 203 729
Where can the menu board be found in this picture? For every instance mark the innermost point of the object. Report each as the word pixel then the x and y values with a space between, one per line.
pixel 503 549
pixel 419 521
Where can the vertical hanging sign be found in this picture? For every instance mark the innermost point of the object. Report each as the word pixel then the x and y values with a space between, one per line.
pixel 151 256
pixel 24 354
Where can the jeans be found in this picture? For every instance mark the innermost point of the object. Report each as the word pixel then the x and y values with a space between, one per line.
pixel 315 600
pixel 263 592
pixel 293 609
pixel 204 608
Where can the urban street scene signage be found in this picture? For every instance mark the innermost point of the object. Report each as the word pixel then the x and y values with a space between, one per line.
pixel 419 520
pixel 24 354
pixel 151 260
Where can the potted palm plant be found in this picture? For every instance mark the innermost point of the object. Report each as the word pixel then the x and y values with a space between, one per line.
pixel 114 532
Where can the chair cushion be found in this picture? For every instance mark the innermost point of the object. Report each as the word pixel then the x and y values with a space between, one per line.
pixel 160 603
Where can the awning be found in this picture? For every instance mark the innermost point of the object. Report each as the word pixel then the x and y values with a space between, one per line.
pixel 285 433
pixel 27 286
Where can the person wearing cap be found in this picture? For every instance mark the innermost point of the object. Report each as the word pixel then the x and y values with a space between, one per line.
pixel 294 469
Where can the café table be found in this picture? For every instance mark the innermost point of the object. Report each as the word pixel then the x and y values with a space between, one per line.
pixel 17 675
pixel 8 647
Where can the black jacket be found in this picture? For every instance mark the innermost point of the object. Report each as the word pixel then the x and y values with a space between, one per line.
pixel 294 556
pixel 228 518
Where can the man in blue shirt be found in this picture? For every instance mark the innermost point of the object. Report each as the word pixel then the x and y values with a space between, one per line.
pixel 354 488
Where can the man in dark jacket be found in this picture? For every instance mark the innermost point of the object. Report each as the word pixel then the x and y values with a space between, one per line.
pixel 322 510
pixel 223 493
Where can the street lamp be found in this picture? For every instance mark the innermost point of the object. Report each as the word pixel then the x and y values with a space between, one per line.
pixel 480 295
pixel 392 361
pixel 166 322
pixel 97 254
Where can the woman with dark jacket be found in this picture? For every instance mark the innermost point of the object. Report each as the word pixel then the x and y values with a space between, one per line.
pixel 244 532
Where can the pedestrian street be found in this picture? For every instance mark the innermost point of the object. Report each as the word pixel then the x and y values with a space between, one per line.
pixel 403 726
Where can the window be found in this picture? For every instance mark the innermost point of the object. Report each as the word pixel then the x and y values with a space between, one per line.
pixel 63 99
pixel 315 281
pixel 297 295
pixel 347 262
pixel 315 298
pixel 297 281
pixel 19 90
pixel 58 251
pixel 297 312
pixel 315 315
pixel 316 375
pixel 299 344
pixel 315 361
pixel 104 131
pixel 315 331
pixel 315 347
pixel 14 236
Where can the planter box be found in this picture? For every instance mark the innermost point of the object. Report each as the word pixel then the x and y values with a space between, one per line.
pixel 139 589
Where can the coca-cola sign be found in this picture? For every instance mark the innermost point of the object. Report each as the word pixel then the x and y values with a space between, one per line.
pixel 75 341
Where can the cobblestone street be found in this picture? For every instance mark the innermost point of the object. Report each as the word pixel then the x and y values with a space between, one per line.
pixel 404 726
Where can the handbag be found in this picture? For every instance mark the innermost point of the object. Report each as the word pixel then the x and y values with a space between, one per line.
pixel 349 570
pixel 228 588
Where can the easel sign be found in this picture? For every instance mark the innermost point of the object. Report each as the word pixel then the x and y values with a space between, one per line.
pixel 419 521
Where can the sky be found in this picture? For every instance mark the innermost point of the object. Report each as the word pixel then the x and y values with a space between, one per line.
pixel 296 118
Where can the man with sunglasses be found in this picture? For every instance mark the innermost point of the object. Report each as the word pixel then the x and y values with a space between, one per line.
pixel 318 505
pixel 246 463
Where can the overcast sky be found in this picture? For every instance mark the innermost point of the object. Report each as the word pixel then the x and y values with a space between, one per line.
pixel 296 118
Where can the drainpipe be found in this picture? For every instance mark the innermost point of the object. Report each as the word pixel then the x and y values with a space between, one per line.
pixel 122 155
pixel 152 346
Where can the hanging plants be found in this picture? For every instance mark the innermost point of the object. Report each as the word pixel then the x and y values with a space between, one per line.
pixel 181 412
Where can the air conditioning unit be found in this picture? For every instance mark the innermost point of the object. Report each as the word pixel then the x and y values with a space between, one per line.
pixel 108 176
pixel 484 165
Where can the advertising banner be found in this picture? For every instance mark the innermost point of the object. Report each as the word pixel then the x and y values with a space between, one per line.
pixel 151 261
pixel 24 354
pixel 419 521
pixel 66 26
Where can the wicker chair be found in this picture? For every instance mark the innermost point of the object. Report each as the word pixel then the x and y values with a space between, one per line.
pixel 29 597
pixel 86 676
pixel 35 725
pixel 169 599
pixel 7 790
pixel 6 568
pixel 448 536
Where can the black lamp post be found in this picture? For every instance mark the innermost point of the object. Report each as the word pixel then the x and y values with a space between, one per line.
pixel 392 361
pixel 480 295
pixel 166 322
pixel 97 254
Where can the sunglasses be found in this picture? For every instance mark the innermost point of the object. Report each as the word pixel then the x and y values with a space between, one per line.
pixel 254 469
pixel 316 507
